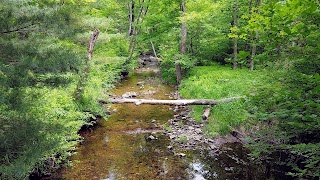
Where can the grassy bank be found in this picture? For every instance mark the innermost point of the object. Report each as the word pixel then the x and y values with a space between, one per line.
pixel 281 105
pixel 217 82
pixel 40 118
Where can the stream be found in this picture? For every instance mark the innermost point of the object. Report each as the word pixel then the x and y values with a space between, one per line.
pixel 132 144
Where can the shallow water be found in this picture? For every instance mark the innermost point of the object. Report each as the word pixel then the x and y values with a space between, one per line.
pixel 131 145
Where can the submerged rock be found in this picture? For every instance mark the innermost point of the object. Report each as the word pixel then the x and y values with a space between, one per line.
pixel 106 139
pixel 181 154
pixel 151 138
pixel 129 95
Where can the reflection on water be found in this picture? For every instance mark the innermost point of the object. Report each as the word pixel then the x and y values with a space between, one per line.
pixel 130 146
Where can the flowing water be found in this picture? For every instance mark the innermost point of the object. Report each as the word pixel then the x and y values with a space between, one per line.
pixel 131 145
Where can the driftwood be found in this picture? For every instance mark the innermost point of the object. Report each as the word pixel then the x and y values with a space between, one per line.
pixel 169 102
pixel 206 113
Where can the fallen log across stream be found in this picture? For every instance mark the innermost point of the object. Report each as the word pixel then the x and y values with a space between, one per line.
pixel 168 102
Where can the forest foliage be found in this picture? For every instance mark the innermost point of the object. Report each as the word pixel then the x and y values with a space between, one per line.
pixel 279 40
pixel 43 47
pixel 43 54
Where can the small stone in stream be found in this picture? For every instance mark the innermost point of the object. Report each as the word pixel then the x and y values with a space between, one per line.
pixel 108 112
pixel 172 136
pixel 140 83
pixel 191 128
pixel 184 113
pixel 106 139
pixel 129 95
pixel 169 147
pixel 198 130
pixel 181 154
pixel 150 92
pixel 197 138
pixel 151 138
pixel 213 146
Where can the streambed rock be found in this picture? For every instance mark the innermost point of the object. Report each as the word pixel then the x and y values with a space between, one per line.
pixel 129 95
pixel 187 134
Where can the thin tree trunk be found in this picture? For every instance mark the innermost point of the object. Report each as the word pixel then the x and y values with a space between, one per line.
pixel 93 38
pixel 84 76
pixel 235 41
pixel 254 41
pixel 253 53
pixel 153 49
pixel 131 17
pixel 142 12
pixel 183 48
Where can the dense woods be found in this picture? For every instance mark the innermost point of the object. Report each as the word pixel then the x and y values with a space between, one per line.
pixel 267 51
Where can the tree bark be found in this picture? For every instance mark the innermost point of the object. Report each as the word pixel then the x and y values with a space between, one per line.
pixel 206 113
pixel 253 53
pixel 93 38
pixel 235 41
pixel 183 48
pixel 169 102
pixel 142 12
pixel 131 17
pixel 153 49
pixel 84 76
pixel 254 40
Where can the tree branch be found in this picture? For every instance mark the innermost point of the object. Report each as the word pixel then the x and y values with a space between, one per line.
pixel 16 30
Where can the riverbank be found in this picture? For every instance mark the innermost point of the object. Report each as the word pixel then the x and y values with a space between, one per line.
pixel 267 120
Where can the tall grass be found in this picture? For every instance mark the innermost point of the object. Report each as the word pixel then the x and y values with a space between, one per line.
pixel 217 82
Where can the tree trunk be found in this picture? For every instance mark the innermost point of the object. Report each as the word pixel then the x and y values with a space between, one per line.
pixel 168 102
pixel 183 48
pixel 235 41
pixel 79 90
pixel 131 17
pixel 206 113
pixel 142 12
pixel 93 38
pixel 254 40
pixel 153 49
pixel 253 53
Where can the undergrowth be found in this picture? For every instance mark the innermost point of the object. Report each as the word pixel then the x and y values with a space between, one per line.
pixel 39 116
pixel 218 82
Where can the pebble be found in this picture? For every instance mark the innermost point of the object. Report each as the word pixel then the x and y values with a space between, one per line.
pixel 191 129
pixel 198 130
pixel 150 138
pixel 181 154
